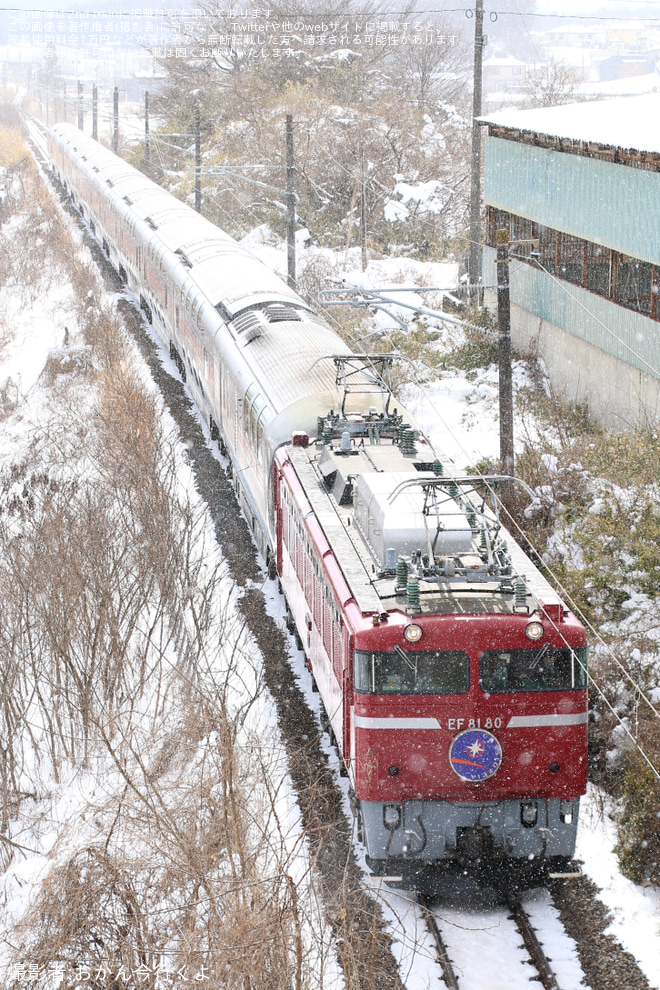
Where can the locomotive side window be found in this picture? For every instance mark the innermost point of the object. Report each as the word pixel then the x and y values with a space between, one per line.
pixel 419 672
pixel 545 669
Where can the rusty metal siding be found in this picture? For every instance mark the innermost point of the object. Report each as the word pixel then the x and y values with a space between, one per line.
pixel 608 204
pixel 629 336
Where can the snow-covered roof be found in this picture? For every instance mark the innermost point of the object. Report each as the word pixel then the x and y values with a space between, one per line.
pixel 630 122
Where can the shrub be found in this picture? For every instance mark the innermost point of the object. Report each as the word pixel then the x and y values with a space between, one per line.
pixel 638 847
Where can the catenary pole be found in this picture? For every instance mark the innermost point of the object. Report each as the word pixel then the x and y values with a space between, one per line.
pixel 146 131
pixel 95 112
pixel 198 158
pixel 504 325
pixel 474 262
pixel 115 121
pixel 363 208
pixel 290 205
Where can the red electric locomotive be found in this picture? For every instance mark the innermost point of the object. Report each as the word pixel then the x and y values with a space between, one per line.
pixel 453 677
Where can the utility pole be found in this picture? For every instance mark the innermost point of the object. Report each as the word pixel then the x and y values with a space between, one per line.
pixel 95 112
pixel 475 186
pixel 198 159
pixel 363 208
pixel 64 98
pixel 290 205
pixel 115 121
pixel 504 326
pixel 81 116
pixel 146 132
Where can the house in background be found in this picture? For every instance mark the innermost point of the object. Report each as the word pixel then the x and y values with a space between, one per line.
pixel 578 187
pixel 504 75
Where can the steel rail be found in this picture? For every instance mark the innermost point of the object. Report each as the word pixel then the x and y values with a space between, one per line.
pixel 518 914
pixel 532 944
pixel 448 973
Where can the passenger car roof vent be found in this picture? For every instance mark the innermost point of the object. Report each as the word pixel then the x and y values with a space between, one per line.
pixel 278 312
pixel 95 168
pixel 127 200
pixel 185 260
pixel 250 322
pixel 110 182
pixel 251 335
pixel 154 226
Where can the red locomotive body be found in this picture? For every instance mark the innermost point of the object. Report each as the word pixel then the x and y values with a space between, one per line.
pixel 453 678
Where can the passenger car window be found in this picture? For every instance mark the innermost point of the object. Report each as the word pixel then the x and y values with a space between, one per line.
pixel 547 668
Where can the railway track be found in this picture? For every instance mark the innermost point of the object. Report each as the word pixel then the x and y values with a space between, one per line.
pixel 448 972
pixel 543 969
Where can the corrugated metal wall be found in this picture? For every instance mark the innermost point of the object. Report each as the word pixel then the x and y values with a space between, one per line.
pixel 626 335
pixel 613 205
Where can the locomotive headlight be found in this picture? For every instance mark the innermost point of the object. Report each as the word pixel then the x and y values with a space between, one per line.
pixel 534 630
pixel 529 813
pixel 413 633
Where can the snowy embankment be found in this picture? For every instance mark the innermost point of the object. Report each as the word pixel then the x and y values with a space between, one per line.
pixel 149 825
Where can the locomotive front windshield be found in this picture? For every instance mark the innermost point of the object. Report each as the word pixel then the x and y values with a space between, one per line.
pixel 411 672
pixel 547 668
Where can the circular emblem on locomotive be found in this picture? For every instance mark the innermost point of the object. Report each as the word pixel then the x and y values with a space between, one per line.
pixel 475 755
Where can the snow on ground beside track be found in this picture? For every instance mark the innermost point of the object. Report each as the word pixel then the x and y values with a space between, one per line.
pixel 36 330
pixel 635 909
pixel 61 819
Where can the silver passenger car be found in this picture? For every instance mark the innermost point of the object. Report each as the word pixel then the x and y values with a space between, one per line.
pixel 257 359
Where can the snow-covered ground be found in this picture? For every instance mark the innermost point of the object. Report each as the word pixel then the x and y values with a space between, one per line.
pixel 635 910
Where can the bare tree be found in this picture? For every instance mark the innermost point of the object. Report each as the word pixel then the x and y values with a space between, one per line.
pixel 552 84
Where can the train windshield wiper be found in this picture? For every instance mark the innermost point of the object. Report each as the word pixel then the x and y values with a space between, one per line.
pixel 539 656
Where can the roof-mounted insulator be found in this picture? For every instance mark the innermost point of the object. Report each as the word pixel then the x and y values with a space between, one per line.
pixel 407 437
pixel 413 603
pixel 438 469
pixel 520 590
pixel 401 574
